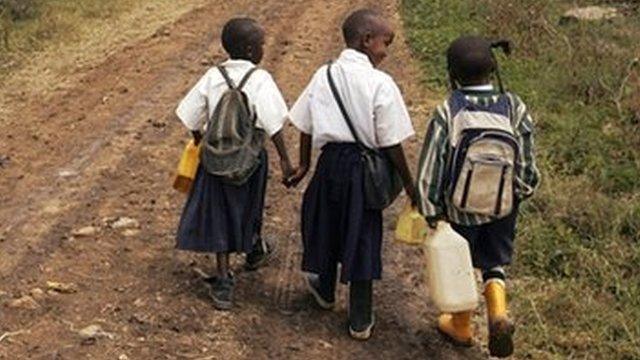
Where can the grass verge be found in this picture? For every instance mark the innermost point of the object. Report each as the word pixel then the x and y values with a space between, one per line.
pixel 576 277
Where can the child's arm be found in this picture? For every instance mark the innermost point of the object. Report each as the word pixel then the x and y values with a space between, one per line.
pixel 285 162
pixel 305 161
pixel 192 110
pixel 197 137
pixel 399 160
pixel 431 170
pixel 528 175
pixel 196 134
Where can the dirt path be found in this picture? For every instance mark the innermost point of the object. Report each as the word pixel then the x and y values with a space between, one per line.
pixel 104 148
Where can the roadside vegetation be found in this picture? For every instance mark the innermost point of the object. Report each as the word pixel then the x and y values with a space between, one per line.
pixel 28 26
pixel 575 284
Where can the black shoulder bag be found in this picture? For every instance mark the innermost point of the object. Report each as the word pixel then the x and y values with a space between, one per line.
pixel 382 183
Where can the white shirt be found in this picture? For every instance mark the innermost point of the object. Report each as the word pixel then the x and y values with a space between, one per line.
pixel 263 93
pixel 372 99
pixel 486 87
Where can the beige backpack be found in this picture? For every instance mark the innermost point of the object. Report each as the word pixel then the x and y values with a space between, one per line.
pixel 485 152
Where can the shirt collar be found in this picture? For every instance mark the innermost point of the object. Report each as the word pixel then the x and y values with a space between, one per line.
pixel 355 57
pixel 238 63
pixel 478 88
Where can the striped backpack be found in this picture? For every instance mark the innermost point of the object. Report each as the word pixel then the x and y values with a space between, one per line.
pixel 485 153
pixel 232 144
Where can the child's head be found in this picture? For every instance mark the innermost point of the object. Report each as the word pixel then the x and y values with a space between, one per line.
pixel 366 31
pixel 471 61
pixel 243 38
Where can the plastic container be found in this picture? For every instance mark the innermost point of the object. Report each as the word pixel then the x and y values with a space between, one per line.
pixel 450 273
pixel 411 228
pixel 187 168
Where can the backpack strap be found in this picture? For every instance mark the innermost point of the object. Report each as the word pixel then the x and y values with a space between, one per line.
pixel 246 77
pixel 226 77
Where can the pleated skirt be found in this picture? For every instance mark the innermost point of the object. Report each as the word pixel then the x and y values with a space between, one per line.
pixel 223 218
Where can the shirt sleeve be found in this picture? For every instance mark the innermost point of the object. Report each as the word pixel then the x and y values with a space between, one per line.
pixel 528 175
pixel 192 110
pixel 270 106
pixel 300 113
pixel 392 122
pixel 432 167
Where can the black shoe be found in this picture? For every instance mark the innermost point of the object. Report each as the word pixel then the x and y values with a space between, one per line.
pixel 361 318
pixel 221 292
pixel 322 296
pixel 259 255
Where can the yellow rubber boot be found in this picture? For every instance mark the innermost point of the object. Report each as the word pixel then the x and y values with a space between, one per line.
pixel 501 329
pixel 457 327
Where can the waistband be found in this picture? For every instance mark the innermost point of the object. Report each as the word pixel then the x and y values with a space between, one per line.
pixel 333 146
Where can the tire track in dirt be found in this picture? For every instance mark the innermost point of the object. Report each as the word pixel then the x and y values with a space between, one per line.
pixel 110 128
pixel 140 289
pixel 309 45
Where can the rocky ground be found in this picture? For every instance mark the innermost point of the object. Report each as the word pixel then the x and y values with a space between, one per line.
pixel 88 216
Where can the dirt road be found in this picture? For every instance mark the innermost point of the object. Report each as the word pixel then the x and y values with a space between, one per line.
pixel 103 148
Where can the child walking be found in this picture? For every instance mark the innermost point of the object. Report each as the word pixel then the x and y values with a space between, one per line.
pixel 477 165
pixel 230 111
pixel 348 109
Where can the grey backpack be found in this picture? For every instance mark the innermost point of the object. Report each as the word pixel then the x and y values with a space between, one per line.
pixel 232 144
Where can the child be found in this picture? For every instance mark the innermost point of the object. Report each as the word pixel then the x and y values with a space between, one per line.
pixel 337 228
pixel 458 125
pixel 223 216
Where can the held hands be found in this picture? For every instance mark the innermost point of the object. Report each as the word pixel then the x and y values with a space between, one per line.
pixel 296 177
pixel 287 170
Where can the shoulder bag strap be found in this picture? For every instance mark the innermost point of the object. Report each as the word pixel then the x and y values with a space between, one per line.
pixel 343 110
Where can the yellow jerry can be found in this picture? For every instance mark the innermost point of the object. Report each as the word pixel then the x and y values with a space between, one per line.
pixel 187 167
pixel 412 227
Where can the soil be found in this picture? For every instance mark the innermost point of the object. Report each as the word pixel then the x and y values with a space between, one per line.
pixel 105 147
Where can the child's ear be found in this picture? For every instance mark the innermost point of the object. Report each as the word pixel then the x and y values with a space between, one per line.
pixel 367 39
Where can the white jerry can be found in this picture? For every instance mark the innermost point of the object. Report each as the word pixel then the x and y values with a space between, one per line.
pixel 450 274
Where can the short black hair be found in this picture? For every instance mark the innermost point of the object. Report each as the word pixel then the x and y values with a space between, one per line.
pixel 239 34
pixel 357 24
pixel 470 59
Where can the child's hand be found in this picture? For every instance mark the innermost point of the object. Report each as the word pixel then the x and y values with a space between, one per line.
pixel 287 170
pixel 432 222
pixel 197 137
pixel 297 176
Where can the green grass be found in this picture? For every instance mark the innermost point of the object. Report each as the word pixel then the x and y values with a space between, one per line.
pixel 30 25
pixel 576 278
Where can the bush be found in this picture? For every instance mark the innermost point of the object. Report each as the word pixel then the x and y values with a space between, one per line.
pixel 19 9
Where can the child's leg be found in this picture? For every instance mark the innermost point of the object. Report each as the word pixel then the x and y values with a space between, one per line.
pixel 222 285
pixel 261 251
pixel 323 287
pixel 496 252
pixel 458 327
pixel 327 282
pixel 501 328
pixel 361 319
pixel 222 260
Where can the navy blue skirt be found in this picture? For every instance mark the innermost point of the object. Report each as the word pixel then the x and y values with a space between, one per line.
pixel 336 227
pixel 223 218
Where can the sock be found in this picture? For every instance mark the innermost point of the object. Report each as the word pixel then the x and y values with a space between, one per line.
pixel 496 274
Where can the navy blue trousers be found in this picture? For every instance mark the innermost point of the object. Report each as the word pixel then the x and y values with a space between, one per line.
pixel 492 243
